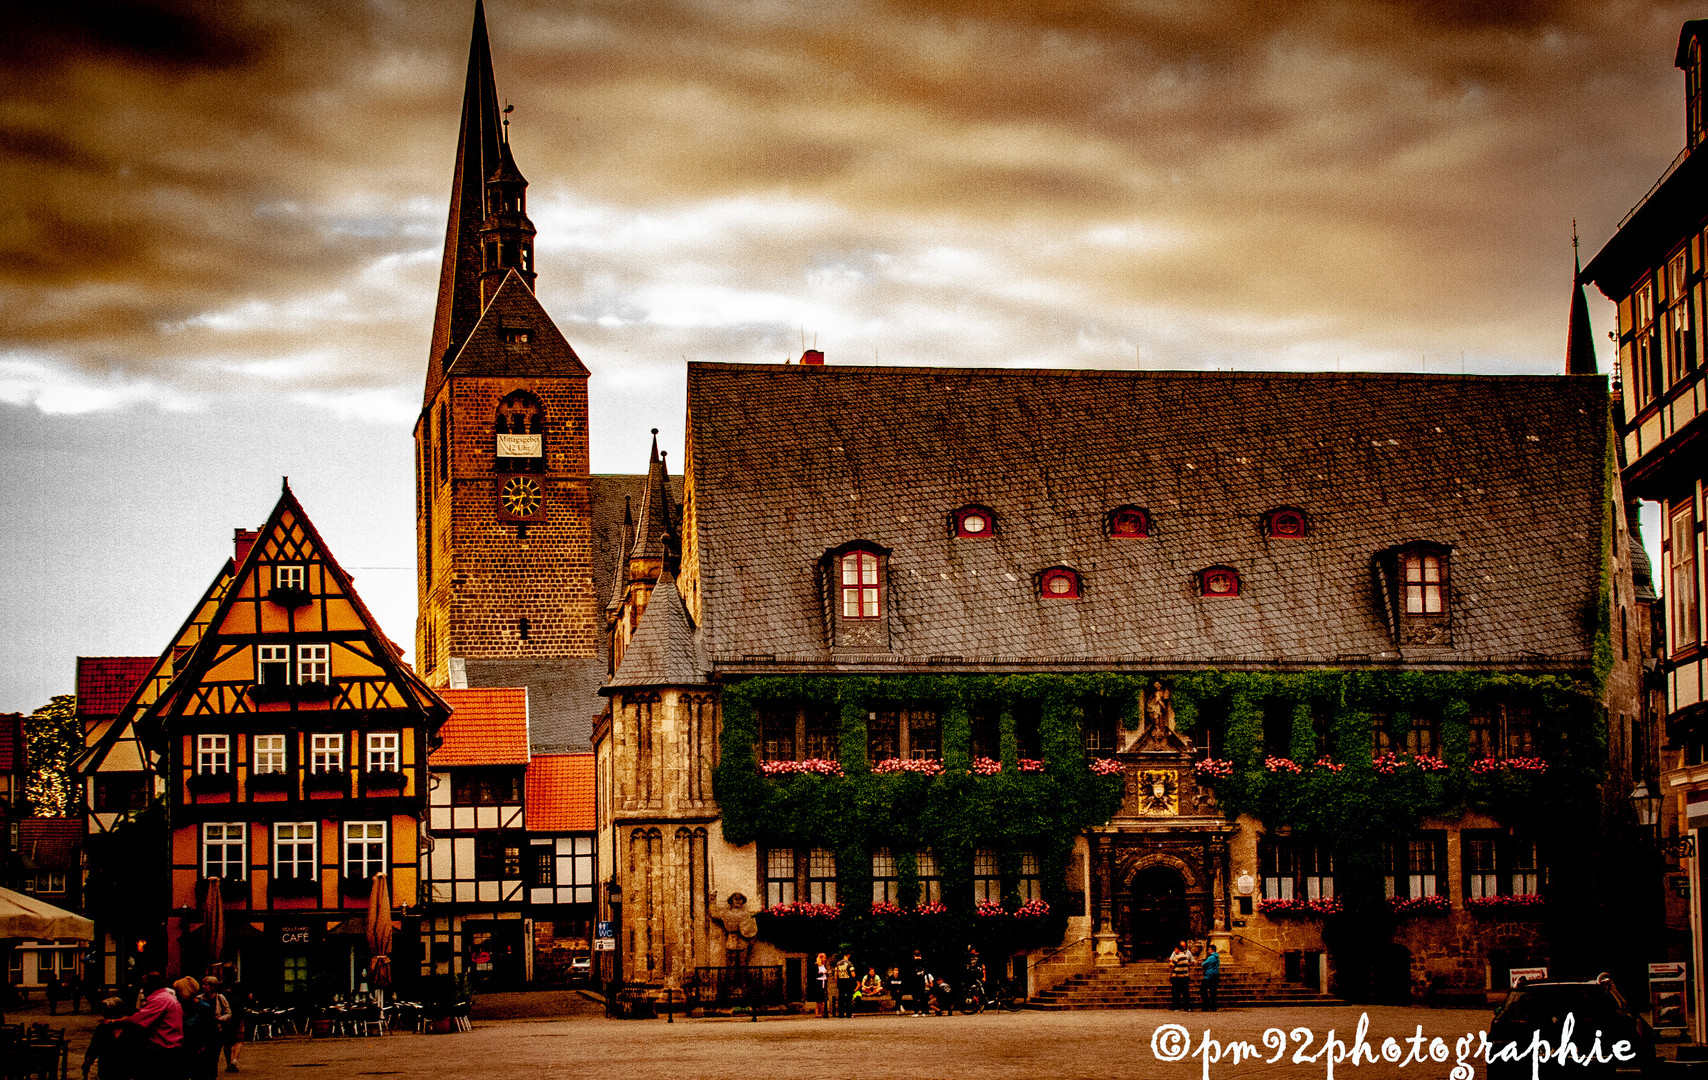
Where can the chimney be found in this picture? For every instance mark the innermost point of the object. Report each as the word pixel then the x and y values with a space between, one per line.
pixel 243 540
pixel 813 357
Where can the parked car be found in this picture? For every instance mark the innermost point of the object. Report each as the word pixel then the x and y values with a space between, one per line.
pixel 581 967
pixel 1595 1006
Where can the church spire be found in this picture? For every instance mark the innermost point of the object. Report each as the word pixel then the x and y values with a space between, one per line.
pixel 479 156
pixel 1580 340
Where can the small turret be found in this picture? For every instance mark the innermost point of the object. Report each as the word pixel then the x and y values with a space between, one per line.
pixel 506 236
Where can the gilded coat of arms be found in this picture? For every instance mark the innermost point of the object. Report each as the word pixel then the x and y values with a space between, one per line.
pixel 1159 792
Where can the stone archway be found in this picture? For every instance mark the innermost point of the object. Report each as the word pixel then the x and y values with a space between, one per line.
pixel 1157 912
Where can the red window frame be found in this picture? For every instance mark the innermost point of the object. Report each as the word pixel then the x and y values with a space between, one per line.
pixel 964 513
pixel 862 591
pixel 1423 582
pixel 1129 523
pixel 1058 575
pixel 1219 582
pixel 1287 523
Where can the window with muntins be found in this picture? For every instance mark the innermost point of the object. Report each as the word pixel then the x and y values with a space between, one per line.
pixel 1520 731
pixel 498 854
pixel 1286 522
pixel 364 849
pixel 779 876
pixel 294 849
pixel 382 752
pixel 288 576
pixel 886 884
pixel 1485 732
pixel 1059 583
pixel 486 787
pixel 973 522
pixel 1423 579
pixel 777 734
pixel 1479 852
pixel 821 876
pixel 1686 599
pixel 860 587
pixel 1031 882
pixel 1423 735
pixel 312 663
pixel 1100 725
pixel 223 848
pixel 269 755
pixel 909 734
pixel 1278 867
pixel 987 876
pixel 930 881
pixel 1415 866
pixel 1219 582
pixel 326 753
pixel 272 665
pixel 1129 522
pixel 213 754
pixel 986 727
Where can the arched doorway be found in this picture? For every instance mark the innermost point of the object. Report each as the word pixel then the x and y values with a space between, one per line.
pixel 1158 916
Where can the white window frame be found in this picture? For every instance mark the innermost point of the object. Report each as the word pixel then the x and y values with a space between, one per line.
pixel 314 664
pixel 383 752
pixel 213 754
pixel 225 847
pixel 779 876
pixel 270 755
pixel 821 876
pixel 364 849
pixel 292 837
pixel 289 576
pixel 575 870
pixel 266 655
pixel 326 753
pixel 1686 600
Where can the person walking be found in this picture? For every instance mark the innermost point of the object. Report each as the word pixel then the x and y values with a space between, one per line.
pixel 847 976
pixel 161 1018
pixel 1180 977
pixel 832 986
pixel 112 1052
pixel 1210 979
pixel 823 985
pixel 238 997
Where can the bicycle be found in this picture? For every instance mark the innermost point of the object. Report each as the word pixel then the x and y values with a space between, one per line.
pixel 972 998
pixel 1007 996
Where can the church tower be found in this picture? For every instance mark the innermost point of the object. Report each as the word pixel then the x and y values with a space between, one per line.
pixel 503 523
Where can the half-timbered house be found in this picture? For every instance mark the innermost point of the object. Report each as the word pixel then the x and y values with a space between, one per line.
pixel 294 742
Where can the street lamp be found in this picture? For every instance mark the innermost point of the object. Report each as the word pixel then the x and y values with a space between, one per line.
pixel 1648 806
pixel 614 893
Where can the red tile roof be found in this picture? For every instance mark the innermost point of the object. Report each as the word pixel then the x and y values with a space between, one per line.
pixel 12 758
pixel 50 843
pixel 488 726
pixel 560 793
pixel 106 683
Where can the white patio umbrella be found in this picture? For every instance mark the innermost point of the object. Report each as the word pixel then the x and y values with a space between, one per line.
pixel 26 917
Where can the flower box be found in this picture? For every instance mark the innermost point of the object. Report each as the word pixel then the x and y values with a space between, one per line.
pixel 211 783
pixel 270 781
pixel 1107 767
pixel 1215 768
pixel 1031 765
pixel 285 596
pixel 1281 764
pixel 1327 764
pixel 296 886
pixel 338 780
pixel 809 767
pixel 387 779
pixel 922 766
pixel 1407 906
pixel 984 766
pixel 1278 908
pixel 1521 905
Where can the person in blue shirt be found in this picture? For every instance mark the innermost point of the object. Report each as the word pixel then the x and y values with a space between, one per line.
pixel 1210 977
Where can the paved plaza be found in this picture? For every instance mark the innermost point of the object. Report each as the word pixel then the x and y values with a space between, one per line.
pixel 1087 1044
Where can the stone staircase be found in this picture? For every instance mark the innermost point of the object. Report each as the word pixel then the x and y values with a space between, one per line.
pixel 1144 985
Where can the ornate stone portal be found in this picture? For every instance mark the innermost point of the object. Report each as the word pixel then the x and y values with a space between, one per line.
pixel 1160 867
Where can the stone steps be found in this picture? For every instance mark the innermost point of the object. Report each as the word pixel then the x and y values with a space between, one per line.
pixel 1145 985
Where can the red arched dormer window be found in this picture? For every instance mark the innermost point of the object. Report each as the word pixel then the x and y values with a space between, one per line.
pixel 973 522
pixel 1128 522
pixel 1218 582
pixel 1286 522
pixel 1058 583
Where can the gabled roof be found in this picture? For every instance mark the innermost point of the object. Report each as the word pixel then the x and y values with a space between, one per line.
pixel 790 461
pixel 514 307
pixel 662 651
pixel 560 793
pixel 655 528
pixel 290 536
pixel 105 683
pixel 486 727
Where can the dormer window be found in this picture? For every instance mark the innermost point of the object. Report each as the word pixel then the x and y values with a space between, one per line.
pixel 860 588
pixel 1415 579
pixel 1219 582
pixel 973 522
pixel 1126 522
pixel 1059 583
pixel 517 336
pixel 1286 522
pixel 287 577
pixel 854 583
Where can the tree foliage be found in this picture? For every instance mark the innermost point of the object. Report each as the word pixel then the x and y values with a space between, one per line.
pixel 53 737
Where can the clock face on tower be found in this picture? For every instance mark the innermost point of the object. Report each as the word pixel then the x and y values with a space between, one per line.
pixel 519 499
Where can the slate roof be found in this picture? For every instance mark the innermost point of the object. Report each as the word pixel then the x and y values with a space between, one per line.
pixel 487 727
pixel 563 695
pixel 105 683
pixel 546 353
pixel 560 793
pixel 790 461
pixel 662 652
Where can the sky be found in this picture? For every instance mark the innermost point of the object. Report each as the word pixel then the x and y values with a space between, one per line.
pixel 221 221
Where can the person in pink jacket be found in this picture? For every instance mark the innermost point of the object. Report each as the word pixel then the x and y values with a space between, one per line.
pixel 161 1019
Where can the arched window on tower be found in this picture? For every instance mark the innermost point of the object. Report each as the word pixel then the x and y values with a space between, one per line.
pixel 520 433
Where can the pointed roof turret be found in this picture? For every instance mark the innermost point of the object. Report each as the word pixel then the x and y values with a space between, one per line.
pixel 663 651
pixel 655 532
pixel 479 156
pixel 1580 339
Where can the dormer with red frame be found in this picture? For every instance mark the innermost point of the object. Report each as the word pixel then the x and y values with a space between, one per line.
pixel 974 521
pixel 856 590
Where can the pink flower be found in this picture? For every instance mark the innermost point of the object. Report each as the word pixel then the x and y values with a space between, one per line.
pixel 1328 763
pixel 1281 764
pixel 1107 767
pixel 924 766
pixel 1028 764
pixel 800 909
pixel 932 907
pixel 884 907
pixel 991 908
pixel 811 766
pixel 983 766
pixel 1217 767
pixel 1429 763
pixel 1418 905
pixel 1033 909
pixel 1387 763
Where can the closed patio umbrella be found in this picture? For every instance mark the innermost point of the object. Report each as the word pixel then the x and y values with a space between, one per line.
pixel 213 921
pixel 379 932
pixel 29 919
